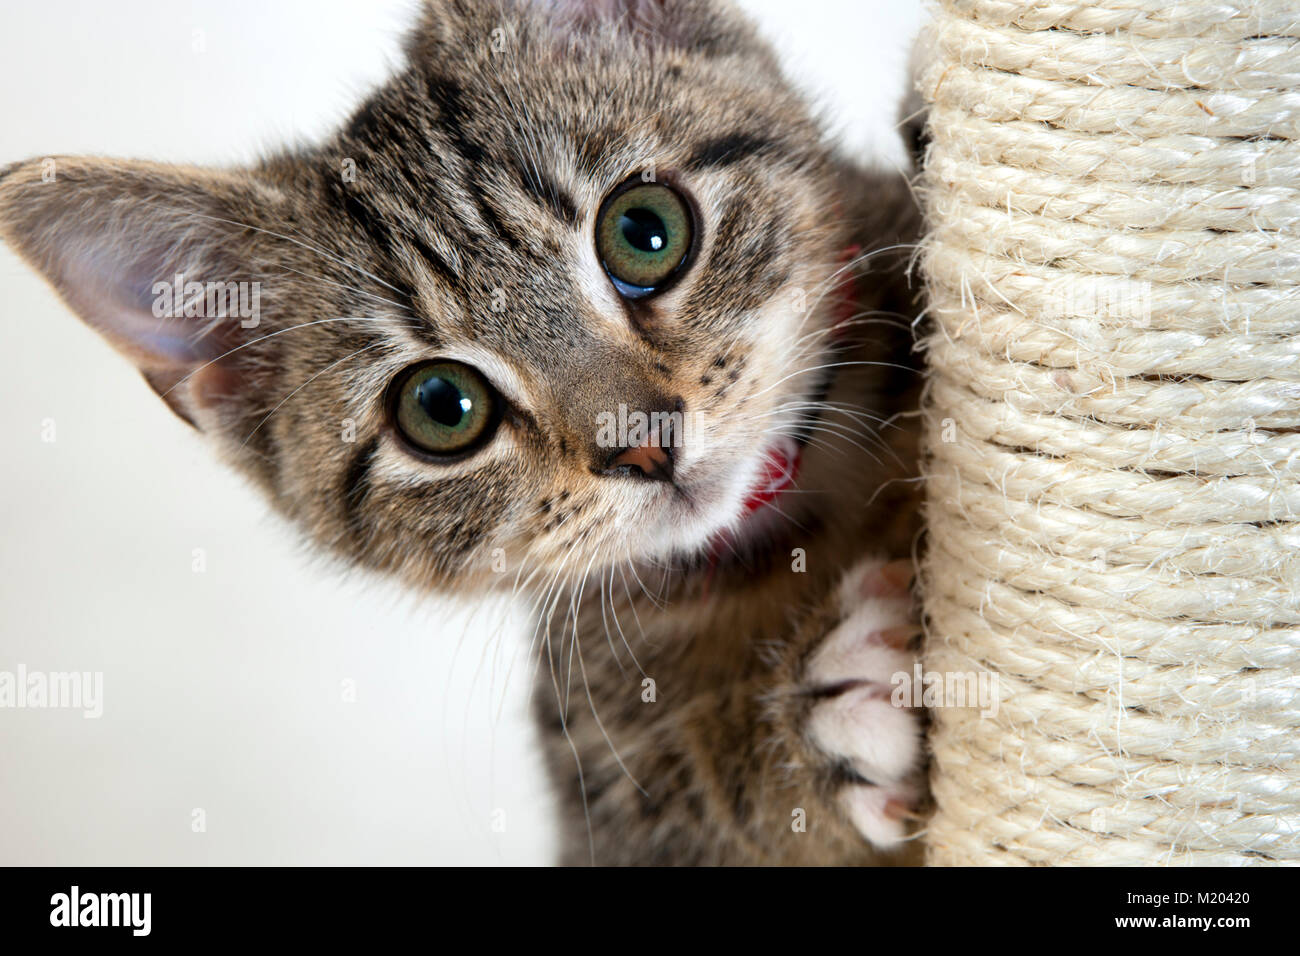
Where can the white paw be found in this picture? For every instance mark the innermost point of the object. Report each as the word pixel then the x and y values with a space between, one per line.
pixel 857 723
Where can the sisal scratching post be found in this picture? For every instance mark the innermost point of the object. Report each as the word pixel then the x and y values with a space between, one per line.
pixel 1113 429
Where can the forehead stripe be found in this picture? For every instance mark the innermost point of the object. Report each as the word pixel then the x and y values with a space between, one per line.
pixel 550 195
pixel 726 150
pixel 382 234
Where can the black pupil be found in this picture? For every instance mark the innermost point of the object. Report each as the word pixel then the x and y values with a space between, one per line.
pixel 442 401
pixel 643 230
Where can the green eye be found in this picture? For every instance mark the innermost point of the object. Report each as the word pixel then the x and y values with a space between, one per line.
pixel 444 407
pixel 643 235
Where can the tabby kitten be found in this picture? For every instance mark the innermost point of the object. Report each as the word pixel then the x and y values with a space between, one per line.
pixel 580 305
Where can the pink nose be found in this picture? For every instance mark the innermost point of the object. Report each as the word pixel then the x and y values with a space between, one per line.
pixel 647 460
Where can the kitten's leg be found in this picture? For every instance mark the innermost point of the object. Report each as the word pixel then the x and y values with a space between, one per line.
pixel 859 723
pixel 802 761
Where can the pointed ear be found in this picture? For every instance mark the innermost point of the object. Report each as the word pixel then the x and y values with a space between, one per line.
pixel 707 28
pixel 704 26
pixel 161 260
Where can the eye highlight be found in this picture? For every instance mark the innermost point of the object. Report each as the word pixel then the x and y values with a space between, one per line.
pixel 444 408
pixel 643 236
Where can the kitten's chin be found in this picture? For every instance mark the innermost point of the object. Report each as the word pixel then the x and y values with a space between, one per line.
pixel 733 514
pixel 765 506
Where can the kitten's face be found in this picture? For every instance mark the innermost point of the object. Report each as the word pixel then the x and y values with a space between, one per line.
pixel 556 210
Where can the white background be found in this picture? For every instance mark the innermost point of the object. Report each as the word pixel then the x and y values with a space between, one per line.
pixel 223 689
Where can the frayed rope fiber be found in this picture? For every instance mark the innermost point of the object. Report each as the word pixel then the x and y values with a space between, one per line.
pixel 1113 430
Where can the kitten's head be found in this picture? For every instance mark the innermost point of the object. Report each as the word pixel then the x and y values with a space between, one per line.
pixel 429 338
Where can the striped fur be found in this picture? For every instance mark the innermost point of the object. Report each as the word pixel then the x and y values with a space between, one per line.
pixel 467 233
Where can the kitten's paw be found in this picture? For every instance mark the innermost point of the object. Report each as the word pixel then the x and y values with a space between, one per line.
pixel 855 722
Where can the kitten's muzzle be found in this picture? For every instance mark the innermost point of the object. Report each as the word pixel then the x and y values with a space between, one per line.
pixel 653 452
